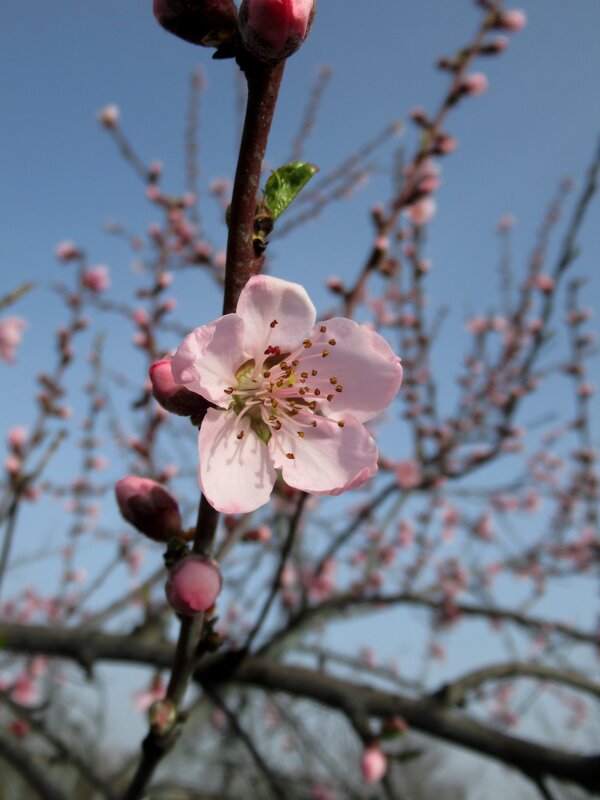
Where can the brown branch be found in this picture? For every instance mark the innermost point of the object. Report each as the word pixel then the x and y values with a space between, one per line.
pixel 30 770
pixel 424 714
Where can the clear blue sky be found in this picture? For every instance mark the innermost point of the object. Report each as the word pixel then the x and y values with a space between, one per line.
pixel 61 177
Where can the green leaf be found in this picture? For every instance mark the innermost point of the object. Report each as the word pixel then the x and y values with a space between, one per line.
pixel 285 184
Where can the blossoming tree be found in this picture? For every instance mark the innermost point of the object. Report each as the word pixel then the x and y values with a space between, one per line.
pixel 307 516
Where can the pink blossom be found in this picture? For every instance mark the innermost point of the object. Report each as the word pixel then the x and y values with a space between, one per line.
pixel 505 223
pixel 290 395
pixel 274 29
pixel 148 507
pixel 373 764
pixel 66 251
pixel 545 283
pixel 513 20
pixel 96 279
pixel 193 585
pixel 156 691
pixel 421 212
pixel 11 333
pixel 475 84
pixel 408 474
pixel 17 439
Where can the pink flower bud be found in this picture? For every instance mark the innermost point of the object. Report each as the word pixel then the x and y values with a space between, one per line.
pixel 475 84
pixel 210 23
pixel 148 507
pixel 274 29
pixel 96 279
pixel 11 332
pixel 172 396
pixel 513 20
pixel 373 764
pixel 193 585
pixel 421 212
pixel 66 251
pixel 109 116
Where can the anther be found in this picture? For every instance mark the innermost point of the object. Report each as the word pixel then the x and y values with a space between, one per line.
pixel 312 405
pixel 300 434
pixel 240 435
pixel 341 423
pixel 314 373
pixel 325 353
pixel 323 328
pixel 314 423
pixel 277 425
pixel 289 455
pixel 229 390
pixel 332 342
pixel 329 397
pixel 266 374
pixel 272 325
pixel 307 343
pixel 333 381
pixel 317 392
pixel 304 375
pixel 339 389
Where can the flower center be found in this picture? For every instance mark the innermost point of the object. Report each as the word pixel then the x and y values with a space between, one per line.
pixel 286 393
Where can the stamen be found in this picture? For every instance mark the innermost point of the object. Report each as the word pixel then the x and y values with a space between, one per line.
pixel 300 434
pixel 241 435
pixel 325 353
pixel 307 343
pixel 314 373
pixel 341 423
pixel 323 328
pixel 272 325
pixel 332 342
pixel 317 392
pixel 339 389
pixel 266 374
pixel 289 455
pixel 333 381
pixel 329 398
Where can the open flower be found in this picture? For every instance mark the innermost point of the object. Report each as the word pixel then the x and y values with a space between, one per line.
pixel 291 395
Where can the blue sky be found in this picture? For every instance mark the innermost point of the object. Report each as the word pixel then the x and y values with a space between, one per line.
pixel 62 178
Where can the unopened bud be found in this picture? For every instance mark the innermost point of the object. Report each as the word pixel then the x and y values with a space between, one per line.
pixel 274 29
pixel 172 396
pixel 162 716
pixel 373 764
pixel 148 507
pixel 194 584
pixel 210 23
pixel 513 20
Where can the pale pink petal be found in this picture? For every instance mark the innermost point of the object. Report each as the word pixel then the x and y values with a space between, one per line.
pixel 265 299
pixel 207 359
pixel 364 365
pixel 328 459
pixel 236 475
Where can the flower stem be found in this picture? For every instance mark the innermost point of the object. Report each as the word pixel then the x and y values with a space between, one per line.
pixel 242 260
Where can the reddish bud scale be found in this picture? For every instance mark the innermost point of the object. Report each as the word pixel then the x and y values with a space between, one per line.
pixel 210 23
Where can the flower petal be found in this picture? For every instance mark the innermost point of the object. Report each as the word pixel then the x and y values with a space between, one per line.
pixel 208 357
pixel 328 459
pixel 236 475
pixel 265 299
pixel 364 365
